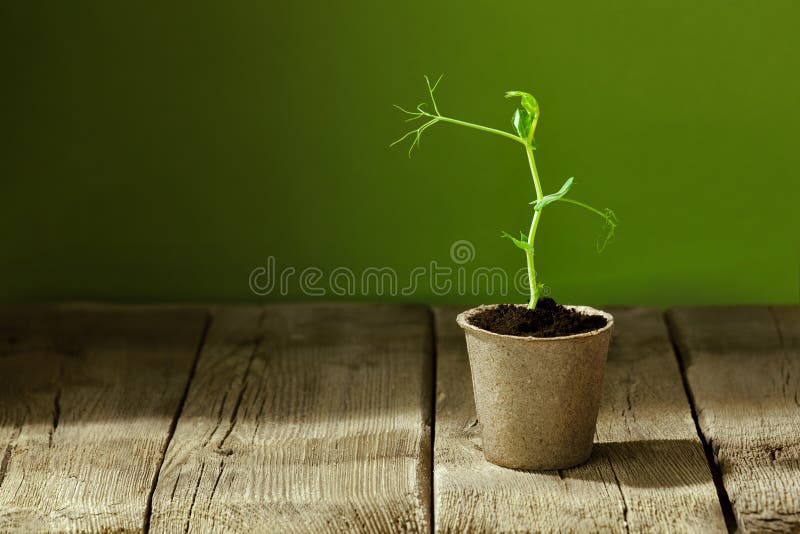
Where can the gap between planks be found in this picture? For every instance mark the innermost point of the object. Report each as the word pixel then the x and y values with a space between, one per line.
pixel 711 456
pixel 149 507
pixel 742 368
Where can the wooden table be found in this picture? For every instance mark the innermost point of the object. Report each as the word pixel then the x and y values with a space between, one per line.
pixel 360 417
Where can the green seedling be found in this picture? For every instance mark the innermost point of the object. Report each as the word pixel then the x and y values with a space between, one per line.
pixel 524 121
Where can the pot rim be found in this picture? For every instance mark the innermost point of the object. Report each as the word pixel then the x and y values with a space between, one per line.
pixel 463 321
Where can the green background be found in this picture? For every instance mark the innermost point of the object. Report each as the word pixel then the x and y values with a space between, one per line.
pixel 162 151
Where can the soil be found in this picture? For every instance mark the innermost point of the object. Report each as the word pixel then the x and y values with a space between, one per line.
pixel 549 319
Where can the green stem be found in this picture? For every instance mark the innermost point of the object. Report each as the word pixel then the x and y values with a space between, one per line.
pixel 537 214
pixel 478 127
pixel 534 287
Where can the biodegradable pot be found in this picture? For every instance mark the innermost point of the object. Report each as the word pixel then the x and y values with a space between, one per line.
pixel 537 398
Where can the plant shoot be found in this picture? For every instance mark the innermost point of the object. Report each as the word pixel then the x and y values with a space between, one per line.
pixel 524 121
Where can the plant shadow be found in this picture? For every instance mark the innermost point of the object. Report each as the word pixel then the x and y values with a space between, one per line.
pixel 659 463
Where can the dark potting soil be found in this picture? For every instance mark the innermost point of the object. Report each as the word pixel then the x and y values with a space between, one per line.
pixel 549 319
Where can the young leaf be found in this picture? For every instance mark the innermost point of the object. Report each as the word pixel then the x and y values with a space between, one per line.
pixel 522 242
pixel 522 122
pixel 540 204
pixel 527 101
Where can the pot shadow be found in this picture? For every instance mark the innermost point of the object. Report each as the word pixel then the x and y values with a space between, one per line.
pixel 659 463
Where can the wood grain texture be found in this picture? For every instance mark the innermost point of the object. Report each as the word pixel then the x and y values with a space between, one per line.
pixel 743 370
pixel 88 395
pixel 304 418
pixel 648 472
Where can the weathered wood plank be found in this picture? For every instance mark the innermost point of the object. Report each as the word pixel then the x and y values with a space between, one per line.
pixel 648 471
pixel 743 370
pixel 308 417
pixel 88 395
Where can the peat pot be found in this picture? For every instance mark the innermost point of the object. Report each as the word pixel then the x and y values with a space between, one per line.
pixel 537 398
